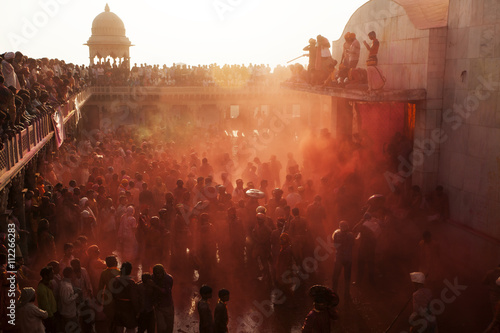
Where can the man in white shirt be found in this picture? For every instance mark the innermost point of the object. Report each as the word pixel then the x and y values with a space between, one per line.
pixel 8 71
pixel 67 302
pixel 354 51
pixel 30 316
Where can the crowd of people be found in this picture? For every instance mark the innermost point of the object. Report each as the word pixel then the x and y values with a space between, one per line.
pixel 114 217
pixel 322 70
pixel 187 75
pixel 31 88
pixel 167 211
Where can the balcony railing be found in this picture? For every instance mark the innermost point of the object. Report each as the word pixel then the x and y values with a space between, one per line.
pixel 116 90
pixel 23 146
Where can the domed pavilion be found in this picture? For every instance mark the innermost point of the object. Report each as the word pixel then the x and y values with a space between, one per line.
pixel 108 40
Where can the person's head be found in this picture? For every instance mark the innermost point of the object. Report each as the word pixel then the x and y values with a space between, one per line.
pixel 122 200
pixel 111 261
pixel 146 277
pixel 261 209
pixel 155 221
pixel 344 226
pixel 68 272
pixel 204 218
pixel 83 240
pixel 28 295
pixel 55 266
pixel 9 56
pixel 277 193
pixel 372 35
pixel 205 292
pixel 93 251
pixel 418 279
pixel 47 273
pixel 75 264
pixel 180 183
pixel 158 271
pixel 43 225
pixel 224 295
pixel 126 269
pixel 18 56
pixel 68 249
pixel 295 211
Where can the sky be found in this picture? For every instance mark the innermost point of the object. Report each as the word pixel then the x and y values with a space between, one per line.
pixel 189 31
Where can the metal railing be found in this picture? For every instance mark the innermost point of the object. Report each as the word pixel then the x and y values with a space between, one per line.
pixel 24 145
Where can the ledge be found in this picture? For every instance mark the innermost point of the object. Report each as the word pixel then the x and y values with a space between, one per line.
pixel 361 95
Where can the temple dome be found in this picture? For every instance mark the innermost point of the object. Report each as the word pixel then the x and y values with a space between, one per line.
pixel 108 28
pixel 108 24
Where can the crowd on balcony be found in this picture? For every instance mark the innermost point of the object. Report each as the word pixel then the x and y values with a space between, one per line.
pixel 31 88
pixel 186 75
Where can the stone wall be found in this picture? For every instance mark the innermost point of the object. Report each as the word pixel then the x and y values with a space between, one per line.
pixel 469 164
pixel 457 131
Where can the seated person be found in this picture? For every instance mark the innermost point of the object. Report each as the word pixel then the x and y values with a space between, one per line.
pixel 331 80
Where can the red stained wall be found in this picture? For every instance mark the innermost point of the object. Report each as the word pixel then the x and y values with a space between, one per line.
pixel 378 122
